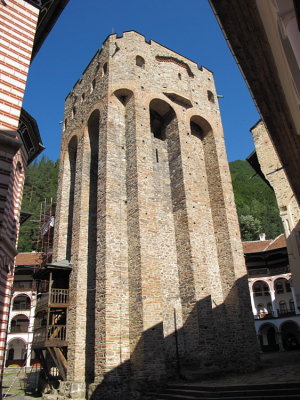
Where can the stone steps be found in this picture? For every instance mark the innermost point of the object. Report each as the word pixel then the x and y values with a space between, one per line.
pixel 238 392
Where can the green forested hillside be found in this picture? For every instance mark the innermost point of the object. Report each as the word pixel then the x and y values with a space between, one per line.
pixel 253 197
pixel 256 203
pixel 40 184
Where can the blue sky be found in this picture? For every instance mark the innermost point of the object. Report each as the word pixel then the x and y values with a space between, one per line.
pixel 188 28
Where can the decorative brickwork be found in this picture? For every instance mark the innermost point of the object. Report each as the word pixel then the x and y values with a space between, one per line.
pixel 18 24
pixel 146 214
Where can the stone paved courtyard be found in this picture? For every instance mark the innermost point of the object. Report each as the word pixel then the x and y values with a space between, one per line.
pixel 276 368
pixel 15 381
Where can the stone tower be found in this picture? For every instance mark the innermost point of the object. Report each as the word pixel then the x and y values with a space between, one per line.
pixel 146 216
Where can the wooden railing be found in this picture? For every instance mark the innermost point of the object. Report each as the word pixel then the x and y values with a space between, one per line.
pixel 57 296
pixel 55 333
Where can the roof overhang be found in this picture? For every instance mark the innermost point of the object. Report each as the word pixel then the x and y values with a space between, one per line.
pixel 50 10
pixel 249 41
pixel 30 135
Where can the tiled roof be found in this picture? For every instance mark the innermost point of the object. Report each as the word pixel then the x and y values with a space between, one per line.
pixel 258 246
pixel 29 258
pixel 277 243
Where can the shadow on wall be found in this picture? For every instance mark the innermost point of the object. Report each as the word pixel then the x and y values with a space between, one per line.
pixel 229 346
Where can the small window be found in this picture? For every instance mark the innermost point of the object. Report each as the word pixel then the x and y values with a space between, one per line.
pixel 19 166
pixel 157 124
pixel 282 307
pixel 82 97
pixel 104 69
pixel 210 96
pixel 269 308
pixel 179 75
pixel 65 124
pixel 93 85
pixel 279 288
pixel 266 290
pixel 288 286
pixel 140 62
pixel 257 289
pixel 73 112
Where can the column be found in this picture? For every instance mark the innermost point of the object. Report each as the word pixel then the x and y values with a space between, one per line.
pixel 279 341
pixel 297 311
pixel 252 301
pixel 28 358
pixel 274 303
pixel 273 299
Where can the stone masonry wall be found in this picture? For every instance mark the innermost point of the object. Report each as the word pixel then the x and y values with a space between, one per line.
pixel 170 287
pixel 287 203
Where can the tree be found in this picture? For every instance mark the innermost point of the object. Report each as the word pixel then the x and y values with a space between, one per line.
pixel 254 197
pixel 250 227
pixel 40 184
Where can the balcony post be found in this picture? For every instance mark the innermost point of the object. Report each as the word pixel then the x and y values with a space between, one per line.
pixel 297 311
pixel 28 354
pixel 274 303
pixel 252 301
pixel 279 341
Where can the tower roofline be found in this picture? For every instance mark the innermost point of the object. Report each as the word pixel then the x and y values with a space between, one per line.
pixel 150 42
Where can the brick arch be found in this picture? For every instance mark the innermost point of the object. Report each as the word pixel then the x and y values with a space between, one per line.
pixel 20 315
pixel 284 281
pixel 123 95
pixel 290 333
pixel 289 322
pixel 23 327
pixel 200 127
pixel 268 325
pixel 261 281
pixel 16 338
pixel 23 294
pixel 72 160
pixel 161 116
pixel 28 299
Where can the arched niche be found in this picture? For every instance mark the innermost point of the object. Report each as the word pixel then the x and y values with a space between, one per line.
pixel 16 349
pixel 261 288
pixel 282 285
pixel 290 334
pixel 19 324
pixel 199 127
pixel 123 95
pixel 161 116
pixel 90 191
pixel 72 153
pixel 21 302
pixel 93 130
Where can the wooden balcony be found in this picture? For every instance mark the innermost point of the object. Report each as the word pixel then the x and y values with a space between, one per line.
pixel 56 298
pixel 50 336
